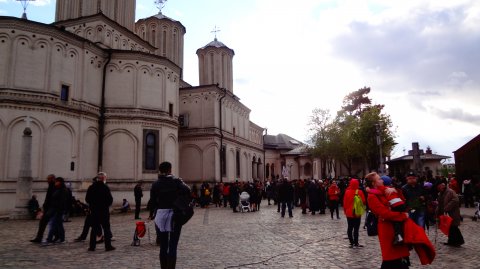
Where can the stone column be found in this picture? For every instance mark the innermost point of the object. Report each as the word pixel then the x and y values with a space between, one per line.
pixel 24 183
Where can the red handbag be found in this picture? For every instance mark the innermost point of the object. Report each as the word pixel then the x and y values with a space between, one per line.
pixel 445 223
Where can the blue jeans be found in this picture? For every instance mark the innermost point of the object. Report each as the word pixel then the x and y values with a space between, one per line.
pixel 289 205
pixel 418 217
pixel 169 242
pixel 56 228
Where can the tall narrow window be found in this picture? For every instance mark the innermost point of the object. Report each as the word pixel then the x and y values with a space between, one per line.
pixel 170 109
pixel 238 163
pixel 153 38
pixel 64 92
pixel 223 160
pixel 150 150
pixel 164 43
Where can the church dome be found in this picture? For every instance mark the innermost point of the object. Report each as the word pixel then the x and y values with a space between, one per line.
pixel 216 44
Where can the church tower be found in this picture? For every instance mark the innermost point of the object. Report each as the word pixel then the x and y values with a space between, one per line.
pixel 215 65
pixel 122 11
pixel 165 34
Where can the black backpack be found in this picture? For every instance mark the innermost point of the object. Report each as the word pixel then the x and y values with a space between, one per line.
pixel 183 205
pixel 371 223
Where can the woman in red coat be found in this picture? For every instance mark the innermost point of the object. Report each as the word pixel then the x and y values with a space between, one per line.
pixel 353 220
pixel 393 256
pixel 333 197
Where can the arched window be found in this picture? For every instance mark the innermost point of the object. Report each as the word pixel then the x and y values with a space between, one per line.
pixel 150 150
pixel 267 170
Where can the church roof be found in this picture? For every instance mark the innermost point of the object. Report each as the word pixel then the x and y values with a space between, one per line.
pixel 216 44
pixel 281 141
pixel 160 16
pixel 423 157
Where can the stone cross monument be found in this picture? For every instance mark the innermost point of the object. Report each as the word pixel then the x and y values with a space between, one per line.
pixel 24 182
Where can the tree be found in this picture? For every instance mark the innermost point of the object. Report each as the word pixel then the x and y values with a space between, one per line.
pixel 352 135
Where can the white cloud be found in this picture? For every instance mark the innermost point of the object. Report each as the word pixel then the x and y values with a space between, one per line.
pixel 40 2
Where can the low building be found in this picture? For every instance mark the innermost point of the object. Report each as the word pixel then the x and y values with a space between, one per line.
pixel 428 163
pixel 467 160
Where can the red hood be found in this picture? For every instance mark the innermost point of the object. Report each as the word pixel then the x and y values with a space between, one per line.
pixel 353 185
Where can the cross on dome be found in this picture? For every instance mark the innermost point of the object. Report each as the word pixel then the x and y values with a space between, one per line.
pixel 25 5
pixel 215 31
pixel 160 5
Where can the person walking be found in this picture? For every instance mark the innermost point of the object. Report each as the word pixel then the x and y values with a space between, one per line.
pixel 137 191
pixel 285 196
pixel 415 199
pixel 163 194
pixel 353 219
pixel 58 205
pixel 99 198
pixel 449 203
pixel 87 224
pixel 313 197
pixel 333 198
pixel 47 213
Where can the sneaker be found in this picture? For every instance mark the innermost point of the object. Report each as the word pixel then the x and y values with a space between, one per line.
pixel 110 248
pixel 358 246
pixel 350 246
pixel 79 239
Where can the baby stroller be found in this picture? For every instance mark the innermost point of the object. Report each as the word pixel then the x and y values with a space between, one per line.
pixel 476 216
pixel 244 205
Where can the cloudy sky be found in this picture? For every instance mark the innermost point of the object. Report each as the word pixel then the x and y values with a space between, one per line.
pixel 420 58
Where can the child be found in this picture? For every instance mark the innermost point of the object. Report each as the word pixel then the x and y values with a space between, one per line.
pixel 397 204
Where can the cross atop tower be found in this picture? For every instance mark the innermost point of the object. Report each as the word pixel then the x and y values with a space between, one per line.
pixel 25 5
pixel 160 5
pixel 215 31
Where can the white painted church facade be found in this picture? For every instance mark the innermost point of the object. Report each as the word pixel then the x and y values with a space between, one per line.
pixel 104 92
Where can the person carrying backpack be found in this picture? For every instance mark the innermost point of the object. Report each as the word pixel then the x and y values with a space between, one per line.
pixel 353 207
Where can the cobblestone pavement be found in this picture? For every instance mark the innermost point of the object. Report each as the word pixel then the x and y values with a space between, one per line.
pixel 218 238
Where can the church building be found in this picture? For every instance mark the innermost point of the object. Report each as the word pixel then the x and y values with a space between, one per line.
pixel 102 92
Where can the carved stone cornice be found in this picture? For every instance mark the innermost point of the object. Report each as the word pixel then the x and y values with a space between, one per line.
pixel 47 100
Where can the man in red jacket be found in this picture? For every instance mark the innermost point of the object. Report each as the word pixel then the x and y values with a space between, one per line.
pixel 333 197
pixel 353 219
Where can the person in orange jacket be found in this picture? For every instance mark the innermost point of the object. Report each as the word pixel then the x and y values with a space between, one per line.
pixel 333 197
pixel 353 220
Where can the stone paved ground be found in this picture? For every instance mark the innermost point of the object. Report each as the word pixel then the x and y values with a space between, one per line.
pixel 218 238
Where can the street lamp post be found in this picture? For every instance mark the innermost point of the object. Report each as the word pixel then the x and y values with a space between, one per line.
pixel 379 143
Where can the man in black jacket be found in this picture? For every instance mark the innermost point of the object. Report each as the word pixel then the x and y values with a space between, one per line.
pixel 163 194
pixel 46 206
pixel 285 196
pixel 137 191
pixel 99 198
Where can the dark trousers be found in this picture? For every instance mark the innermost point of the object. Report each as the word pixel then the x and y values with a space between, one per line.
pixel 402 263
pixel 86 226
pixel 42 225
pixel 334 207
pixel 285 205
pixel 352 230
pixel 138 204
pixel 56 228
pixel 225 200
pixel 455 237
pixel 168 247
pixel 100 221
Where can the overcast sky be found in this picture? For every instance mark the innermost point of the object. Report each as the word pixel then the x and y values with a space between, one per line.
pixel 420 58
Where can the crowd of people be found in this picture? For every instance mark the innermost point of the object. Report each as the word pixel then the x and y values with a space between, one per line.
pixel 399 206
